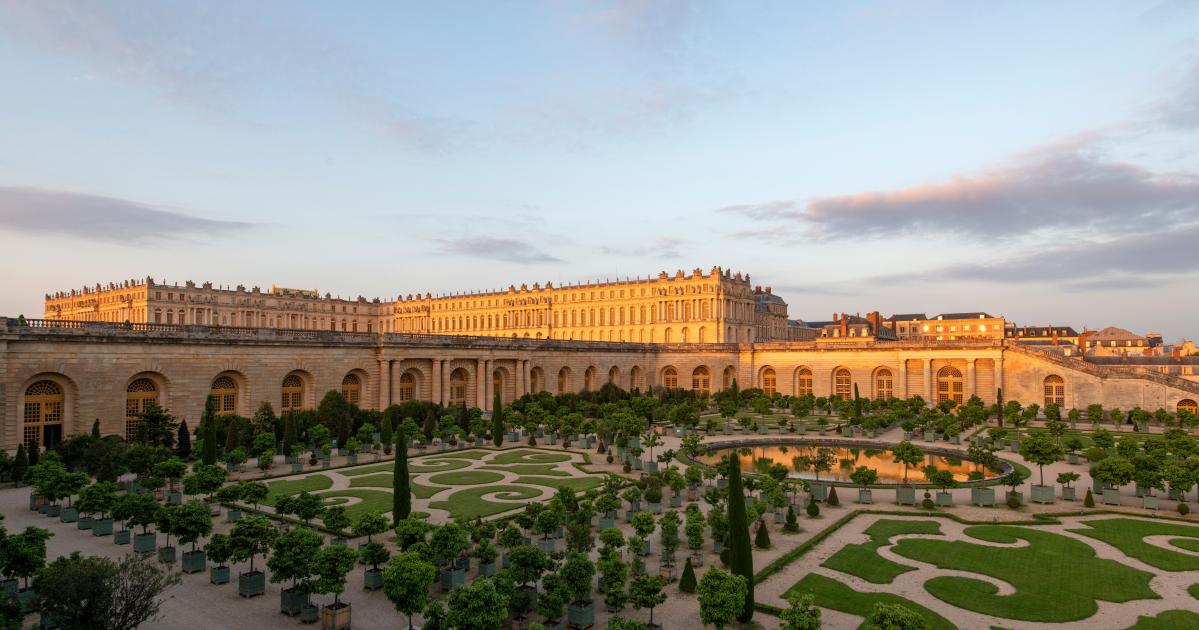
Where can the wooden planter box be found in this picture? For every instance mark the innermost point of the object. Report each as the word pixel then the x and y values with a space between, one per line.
pixel 121 537
pixel 291 601
pixel 945 499
pixel 101 527
pixel 1111 496
pixel 655 508
pixel 905 495
pixel 145 543
pixel 1043 494
pixel 1072 458
pixel 335 616
pixel 251 584
pixel 84 522
pixel 218 575
pixel 819 491
pixel 233 515
pixel 166 555
pixel 580 615
pixel 1068 493
pixel 487 569
pixel 310 613
pixel 865 496
pixel 67 515
pixel 450 579
pixel 982 497
pixel 194 561
pixel 1149 502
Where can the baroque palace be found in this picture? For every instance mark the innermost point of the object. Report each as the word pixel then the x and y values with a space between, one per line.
pixel 103 352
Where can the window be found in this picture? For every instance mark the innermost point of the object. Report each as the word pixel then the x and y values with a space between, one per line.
pixel 457 387
pixel 635 380
pixel 589 379
pixel 614 374
pixel 803 382
pixel 950 385
pixel 536 381
pixel 884 385
pixel 730 375
pixel 43 414
pixel 351 388
pixel 293 393
pixel 1188 405
pixel 224 388
pixel 563 381
pixel 407 387
pixel 701 381
pixel 1055 391
pixel 138 395
pixel 842 384
pixel 670 378
pixel 769 382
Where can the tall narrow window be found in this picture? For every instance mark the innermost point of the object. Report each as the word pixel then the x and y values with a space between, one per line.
pixel 140 393
pixel 458 387
pixel 224 388
pixel 950 385
pixel 43 414
pixel 351 388
pixel 293 393
pixel 884 385
pixel 842 384
pixel 1055 391
pixel 701 381
pixel 670 378
pixel 769 382
pixel 803 382
pixel 407 387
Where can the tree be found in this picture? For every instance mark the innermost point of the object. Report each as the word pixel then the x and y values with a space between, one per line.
pixel 406 583
pixel 335 518
pixel 576 574
pixel 802 614
pixel 253 492
pixel 293 558
pixel 208 430
pixel 141 509
pixel 497 421
pixel 694 530
pixel 204 480
pixel 24 554
pixel 762 539
pixel 155 426
pixel 401 497
pixel 722 596
pixel 331 565
pixel 369 524
pixel 191 522
pixel 219 549
pixel 741 560
pixel 96 593
pixel 907 454
pixel 448 542
pixel 183 441
pixel 334 412
pixel 1039 449
pixel 1114 471
pixel 477 606
pixel 646 592
pixel 687 582
pixel 252 536
pixel 864 476
pixel 894 617
pixel 98 498
pixel 306 506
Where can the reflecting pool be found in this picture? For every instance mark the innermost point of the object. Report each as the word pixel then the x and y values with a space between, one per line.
pixel 845 460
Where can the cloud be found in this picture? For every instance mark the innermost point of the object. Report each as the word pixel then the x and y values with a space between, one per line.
pixel 1044 191
pixel 502 249
pixel 1181 109
pixel 666 247
pixel 43 212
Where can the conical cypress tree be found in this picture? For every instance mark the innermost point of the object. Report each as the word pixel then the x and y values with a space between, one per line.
pixel 208 432
pixel 741 561
pixel 762 539
pixel 687 582
pixel 832 499
pixel 999 405
pixel 96 428
pixel 385 430
pixel 497 421
pixel 857 402
pixel 183 445
pixel 1089 501
pixel 401 492
pixel 20 463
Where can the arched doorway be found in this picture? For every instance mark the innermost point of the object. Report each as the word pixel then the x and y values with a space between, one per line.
pixel 351 388
pixel 701 381
pixel 769 381
pixel 670 378
pixel 1055 390
pixel 293 393
pixel 884 384
pixel 138 395
pixel 950 385
pixel 407 387
pixel 842 384
pixel 458 380
pixel 224 389
pixel 803 382
pixel 43 414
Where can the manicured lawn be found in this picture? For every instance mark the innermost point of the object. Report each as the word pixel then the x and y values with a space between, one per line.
pixel 466 478
pixel 1127 535
pixel 1056 578
pixel 1190 544
pixel 1193 590
pixel 372 501
pixel 862 560
pixel 1168 620
pixel 832 594
pixel 469 503
pixel 384 481
pixel 284 487
pixel 531 469
pixel 470 454
pixel 574 483
pixel 528 457
pixel 417 466
pixel 366 470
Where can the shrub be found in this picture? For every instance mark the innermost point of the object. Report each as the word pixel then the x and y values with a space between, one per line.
pixel 791 526
pixel 687 582
pixel 813 509
pixel 832 499
pixel 1089 501
pixel 762 539
pixel 1183 508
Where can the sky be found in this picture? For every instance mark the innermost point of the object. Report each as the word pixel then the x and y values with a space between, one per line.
pixel 1030 159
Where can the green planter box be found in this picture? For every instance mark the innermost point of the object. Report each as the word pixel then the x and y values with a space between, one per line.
pixel 218 575
pixel 372 579
pixel 10 586
pixel 655 508
pixel 28 600
pixel 166 555
pixel 310 613
pixel 121 537
pixel 649 466
pixel 194 561
pixel 1019 496
pixel 1068 493
pixel 68 515
pixel 905 495
pixel 546 545
pixel 1149 502
pixel 1043 494
pixel 233 515
pixel 450 579
pixel 352 459
pixel 1072 458
pixel 487 569
pixel 1111 496
pixel 145 543
pixel 292 601
pixel 175 498
pixel 101 526
pixel 251 584
pixel 84 522
pixel 865 496
pixel 645 548
pixel 945 499
pixel 779 517
pixel 676 500
pixel 606 522
pixel 297 467
pixel 580 614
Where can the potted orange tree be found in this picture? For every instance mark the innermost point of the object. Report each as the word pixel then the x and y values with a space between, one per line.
pixel 331 564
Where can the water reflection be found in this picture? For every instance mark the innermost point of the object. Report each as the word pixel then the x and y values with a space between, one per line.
pixel 845 460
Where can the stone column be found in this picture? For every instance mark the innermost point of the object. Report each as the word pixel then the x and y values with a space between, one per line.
pixel 393 377
pixel 970 380
pixel 484 375
pixel 445 382
pixel 928 381
pixel 903 378
pixel 435 385
pixel 384 381
pixel 999 371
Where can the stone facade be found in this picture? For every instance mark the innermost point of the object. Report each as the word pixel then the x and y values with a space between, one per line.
pixel 67 374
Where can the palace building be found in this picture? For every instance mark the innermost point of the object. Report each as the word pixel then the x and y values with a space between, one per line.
pixel 104 353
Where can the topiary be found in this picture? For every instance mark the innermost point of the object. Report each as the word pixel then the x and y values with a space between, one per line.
pixel 762 539
pixel 687 583
pixel 1089 501
pixel 1013 501
pixel 832 499
pixel 1183 508
pixel 813 509
pixel 792 526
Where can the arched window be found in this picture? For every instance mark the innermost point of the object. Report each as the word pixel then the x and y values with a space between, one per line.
pixel 497 385
pixel 670 378
pixel 43 414
pixel 1188 405
pixel 589 379
pixel 803 382
pixel 351 388
pixel 1055 391
pixel 703 334
pixel 407 387
pixel 635 380
pixel 842 384
pixel 536 380
pixel 614 376
pixel 884 385
pixel 701 381
pixel 563 381
pixel 668 337
pixel 950 385
pixel 458 387
pixel 141 392
pixel 769 382
pixel 224 388
pixel 293 393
